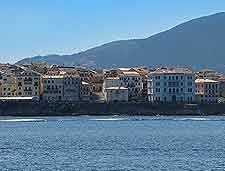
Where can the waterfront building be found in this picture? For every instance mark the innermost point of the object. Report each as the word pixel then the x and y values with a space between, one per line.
pixel 207 91
pixel 171 85
pixel 53 88
pixel 116 94
pixel 61 88
pixel 28 83
pixel 8 84
pixel 71 87
pixel 222 86
pixel 111 82
pixel 144 75
pixel 133 81
pixel 208 74
pixel 97 82
pixel 86 91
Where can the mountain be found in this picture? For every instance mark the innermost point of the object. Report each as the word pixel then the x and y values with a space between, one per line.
pixel 197 43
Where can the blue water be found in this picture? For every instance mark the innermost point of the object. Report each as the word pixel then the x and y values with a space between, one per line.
pixel 113 143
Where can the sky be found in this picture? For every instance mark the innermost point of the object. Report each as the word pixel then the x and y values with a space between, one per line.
pixel 40 27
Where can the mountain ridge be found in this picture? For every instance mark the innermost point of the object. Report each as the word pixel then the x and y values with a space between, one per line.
pixel 197 43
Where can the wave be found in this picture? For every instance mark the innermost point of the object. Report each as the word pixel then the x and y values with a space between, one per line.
pixel 110 119
pixel 153 119
pixel 23 120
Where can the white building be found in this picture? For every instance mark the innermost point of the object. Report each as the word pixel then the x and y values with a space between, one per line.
pixel 116 94
pixel 171 85
pixel 133 81
pixel 110 82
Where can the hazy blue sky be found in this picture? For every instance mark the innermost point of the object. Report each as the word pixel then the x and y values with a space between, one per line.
pixel 39 27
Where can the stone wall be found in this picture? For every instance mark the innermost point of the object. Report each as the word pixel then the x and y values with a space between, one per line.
pixel 70 109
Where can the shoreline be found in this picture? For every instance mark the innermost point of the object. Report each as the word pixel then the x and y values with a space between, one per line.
pixel 30 109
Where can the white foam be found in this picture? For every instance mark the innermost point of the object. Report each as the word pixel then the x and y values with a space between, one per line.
pixel 110 119
pixel 23 120
pixel 192 119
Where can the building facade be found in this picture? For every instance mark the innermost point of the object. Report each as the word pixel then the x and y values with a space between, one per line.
pixel 28 83
pixel 61 88
pixel 116 94
pixel 133 82
pixel 111 82
pixel 207 91
pixel 71 87
pixel 171 85
pixel 86 91
pixel 53 88
pixel 8 84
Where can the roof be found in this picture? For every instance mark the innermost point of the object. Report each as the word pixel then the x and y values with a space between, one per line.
pixel 205 81
pixel 116 88
pixel 53 76
pixel 130 73
pixel 112 78
pixel 84 83
pixel 172 71
pixel 124 69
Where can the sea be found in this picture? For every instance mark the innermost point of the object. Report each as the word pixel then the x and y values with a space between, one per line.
pixel 112 143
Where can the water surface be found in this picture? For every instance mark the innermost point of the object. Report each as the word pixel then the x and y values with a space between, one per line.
pixel 112 143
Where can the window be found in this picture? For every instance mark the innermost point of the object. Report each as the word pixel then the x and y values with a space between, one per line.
pixel 157 83
pixel 189 83
pixel 190 90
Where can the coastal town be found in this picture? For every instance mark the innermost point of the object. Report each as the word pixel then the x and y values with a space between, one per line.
pixel 54 83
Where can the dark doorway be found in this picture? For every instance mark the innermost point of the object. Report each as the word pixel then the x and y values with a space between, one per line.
pixel 174 99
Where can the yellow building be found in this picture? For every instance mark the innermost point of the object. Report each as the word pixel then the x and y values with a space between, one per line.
pixel 28 83
pixel 8 84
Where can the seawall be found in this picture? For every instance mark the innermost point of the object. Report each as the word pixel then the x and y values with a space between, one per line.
pixel 74 109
